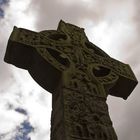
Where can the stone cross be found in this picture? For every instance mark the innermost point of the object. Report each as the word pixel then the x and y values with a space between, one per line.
pixel 79 75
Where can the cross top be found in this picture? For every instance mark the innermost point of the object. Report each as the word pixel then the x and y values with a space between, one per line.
pixel 66 49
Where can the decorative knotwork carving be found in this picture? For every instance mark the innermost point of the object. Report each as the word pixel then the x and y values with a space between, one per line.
pixel 78 74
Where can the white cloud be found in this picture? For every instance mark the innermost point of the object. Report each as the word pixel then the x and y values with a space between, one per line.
pixel 18 14
pixel 9 122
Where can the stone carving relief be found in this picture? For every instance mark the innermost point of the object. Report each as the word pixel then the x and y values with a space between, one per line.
pixel 88 75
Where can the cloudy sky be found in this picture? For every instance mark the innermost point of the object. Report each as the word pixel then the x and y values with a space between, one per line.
pixel 113 25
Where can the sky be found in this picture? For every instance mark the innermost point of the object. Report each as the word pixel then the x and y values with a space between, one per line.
pixel 113 25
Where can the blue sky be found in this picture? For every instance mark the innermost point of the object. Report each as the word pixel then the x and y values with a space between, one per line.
pixel 23 130
pixel 113 25
pixel 2 4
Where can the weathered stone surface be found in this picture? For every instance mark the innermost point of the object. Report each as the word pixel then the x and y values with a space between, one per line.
pixel 79 75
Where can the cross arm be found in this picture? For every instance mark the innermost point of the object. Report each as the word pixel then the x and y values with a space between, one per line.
pixel 117 77
pixel 22 52
pixel 126 81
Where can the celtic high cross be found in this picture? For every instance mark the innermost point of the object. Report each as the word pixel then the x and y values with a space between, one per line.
pixel 79 75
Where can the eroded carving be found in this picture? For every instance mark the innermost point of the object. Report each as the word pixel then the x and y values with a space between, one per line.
pixel 85 77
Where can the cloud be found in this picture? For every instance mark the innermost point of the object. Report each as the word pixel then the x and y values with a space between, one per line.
pixel 14 90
